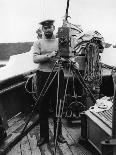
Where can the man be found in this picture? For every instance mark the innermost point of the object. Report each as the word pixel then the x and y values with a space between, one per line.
pixel 45 51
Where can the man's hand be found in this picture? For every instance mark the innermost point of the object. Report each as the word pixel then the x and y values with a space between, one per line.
pixel 53 54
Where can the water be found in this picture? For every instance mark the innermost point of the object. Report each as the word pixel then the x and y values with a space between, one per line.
pixel 3 63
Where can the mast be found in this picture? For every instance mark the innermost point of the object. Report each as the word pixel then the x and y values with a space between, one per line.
pixel 66 13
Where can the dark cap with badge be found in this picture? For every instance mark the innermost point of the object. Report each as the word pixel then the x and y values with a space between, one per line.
pixel 48 22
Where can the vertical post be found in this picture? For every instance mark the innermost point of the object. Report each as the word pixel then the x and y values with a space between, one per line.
pixel 83 137
pixel 109 146
pixel 83 126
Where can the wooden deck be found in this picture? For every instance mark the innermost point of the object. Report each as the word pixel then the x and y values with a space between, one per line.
pixel 28 144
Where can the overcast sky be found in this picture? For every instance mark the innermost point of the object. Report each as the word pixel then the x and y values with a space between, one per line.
pixel 19 18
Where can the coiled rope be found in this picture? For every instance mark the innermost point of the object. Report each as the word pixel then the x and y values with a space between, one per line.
pixel 93 69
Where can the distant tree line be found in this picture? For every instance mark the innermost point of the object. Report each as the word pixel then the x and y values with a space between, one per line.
pixel 8 49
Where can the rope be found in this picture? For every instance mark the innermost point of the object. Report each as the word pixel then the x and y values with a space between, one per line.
pixel 33 86
pixel 93 75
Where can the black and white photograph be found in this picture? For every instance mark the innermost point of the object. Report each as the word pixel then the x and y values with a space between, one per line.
pixel 57 77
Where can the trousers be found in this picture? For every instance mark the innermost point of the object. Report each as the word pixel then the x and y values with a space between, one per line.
pixel 51 95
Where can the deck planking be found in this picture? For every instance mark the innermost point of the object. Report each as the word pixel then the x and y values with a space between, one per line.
pixel 25 146
pixel 63 147
pixel 71 142
pixel 15 119
pixel 16 150
pixel 28 144
pixel 14 132
pixel 74 133
pixel 33 144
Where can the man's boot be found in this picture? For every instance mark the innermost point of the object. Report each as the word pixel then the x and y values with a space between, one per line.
pixel 42 141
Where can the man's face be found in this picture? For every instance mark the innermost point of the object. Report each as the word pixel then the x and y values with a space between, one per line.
pixel 48 30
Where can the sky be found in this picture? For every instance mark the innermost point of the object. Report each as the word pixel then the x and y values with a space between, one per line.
pixel 19 19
